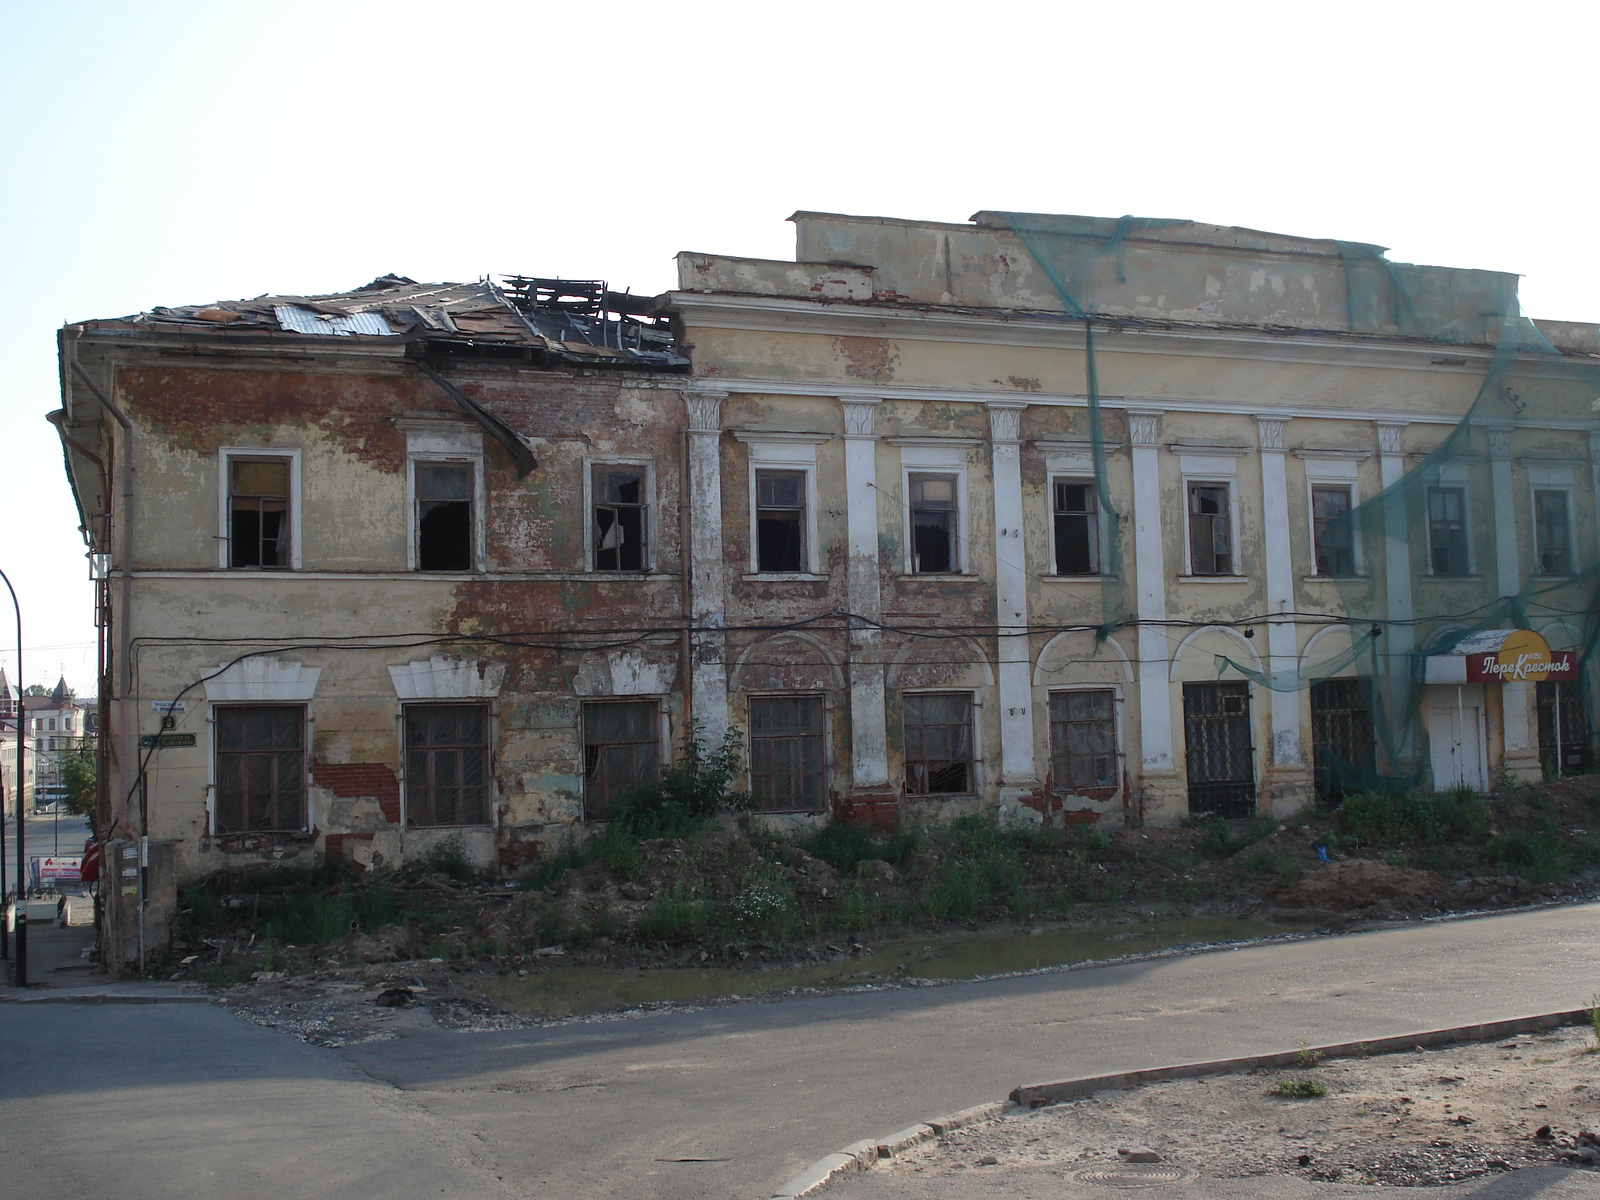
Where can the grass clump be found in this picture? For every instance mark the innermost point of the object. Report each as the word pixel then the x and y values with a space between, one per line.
pixel 1301 1087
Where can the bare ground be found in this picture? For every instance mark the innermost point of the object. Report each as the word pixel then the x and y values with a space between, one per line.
pixel 1418 1119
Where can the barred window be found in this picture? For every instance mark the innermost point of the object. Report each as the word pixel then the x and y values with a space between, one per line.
pixel 1083 740
pixel 621 750
pixel 786 752
pixel 447 764
pixel 938 743
pixel 261 768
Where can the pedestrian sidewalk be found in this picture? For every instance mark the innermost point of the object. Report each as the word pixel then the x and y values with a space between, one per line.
pixel 59 972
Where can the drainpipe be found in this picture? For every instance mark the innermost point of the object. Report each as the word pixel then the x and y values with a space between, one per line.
pixel 127 758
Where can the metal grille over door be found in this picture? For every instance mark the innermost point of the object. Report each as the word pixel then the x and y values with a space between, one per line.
pixel 1342 745
pixel 1220 758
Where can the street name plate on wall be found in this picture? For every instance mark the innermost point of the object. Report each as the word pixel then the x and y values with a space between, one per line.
pixel 163 741
pixel 169 706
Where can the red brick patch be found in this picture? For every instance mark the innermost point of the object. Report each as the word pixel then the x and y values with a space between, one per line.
pixel 353 780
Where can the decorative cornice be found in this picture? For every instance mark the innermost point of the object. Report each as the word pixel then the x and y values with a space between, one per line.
pixel 858 413
pixel 705 409
pixel 933 441
pixel 1075 445
pixel 800 436
pixel 1201 450
pixel 1005 420
pixel 1144 427
pixel 1389 438
pixel 1270 430
pixel 1312 454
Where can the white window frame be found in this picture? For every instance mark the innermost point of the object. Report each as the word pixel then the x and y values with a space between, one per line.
pixel 1452 475
pixel 827 744
pixel 785 452
pixel 652 525
pixel 1052 478
pixel 1323 473
pixel 925 456
pixel 978 781
pixel 1121 751
pixel 1215 470
pixel 456 444
pixel 225 457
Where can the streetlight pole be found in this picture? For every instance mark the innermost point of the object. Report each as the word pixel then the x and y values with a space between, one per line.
pixel 20 978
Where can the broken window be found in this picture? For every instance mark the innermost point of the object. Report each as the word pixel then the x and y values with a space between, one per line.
pixel 1447 531
pixel 1552 528
pixel 786 752
pixel 938 746
pixel 620 519
pixel 621 751
pixel 1210 530
pixel 933 524
pixel 261 768
pixel 258 512
pixel 447 764
pixel 1083 740
pixel 780 522
pixel 444 516
pixel 1077 528
pixel 1332 531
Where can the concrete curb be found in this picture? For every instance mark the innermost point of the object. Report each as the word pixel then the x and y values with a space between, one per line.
pixel 865 1155
pixel 17 996
pixel 1033 1095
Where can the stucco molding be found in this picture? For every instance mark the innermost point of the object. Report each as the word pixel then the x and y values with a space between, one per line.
pixel 261 679
pixel 1499 441
pixel 1144 427
pixel 446 678
pixel 1389 437
pixel 1175 668
pixel 858 415
pixel 1270 431
pixel 1005 421
pixel 705 409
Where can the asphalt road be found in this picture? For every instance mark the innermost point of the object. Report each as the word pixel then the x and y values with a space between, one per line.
pixel 756 1091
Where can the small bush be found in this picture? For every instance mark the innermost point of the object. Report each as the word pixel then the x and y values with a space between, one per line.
pixel 1420 818
pixel 1298 1088
pixel 689 792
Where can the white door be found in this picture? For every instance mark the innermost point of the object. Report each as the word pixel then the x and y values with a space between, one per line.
pixel 1455 736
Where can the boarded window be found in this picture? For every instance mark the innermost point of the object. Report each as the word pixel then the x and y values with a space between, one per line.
pixel 1553 532
pixel 786 752
pixel 1210 530
pixel 1332 531
pixel 620 519
pixel 1077 528
pixel 1447 531
pixel 933 524
pixel 1083 740
pixel 938 743
pixel 444 516
pixel 447 764
pixel 621 750
pixel 258 512
pixel 780 521
pixel 261 768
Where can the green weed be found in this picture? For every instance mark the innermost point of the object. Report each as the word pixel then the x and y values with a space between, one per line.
pixel 1298 1088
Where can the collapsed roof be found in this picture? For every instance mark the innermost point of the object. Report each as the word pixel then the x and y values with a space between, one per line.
pixel 576 321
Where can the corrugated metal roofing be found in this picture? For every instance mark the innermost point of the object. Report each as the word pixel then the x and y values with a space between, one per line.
pixel 304 320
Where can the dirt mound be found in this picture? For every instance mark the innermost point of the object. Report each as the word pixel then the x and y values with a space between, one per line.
pixel 1356 883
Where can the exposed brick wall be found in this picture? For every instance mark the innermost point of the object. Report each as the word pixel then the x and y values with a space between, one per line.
pixel 353 780
pixel 877 810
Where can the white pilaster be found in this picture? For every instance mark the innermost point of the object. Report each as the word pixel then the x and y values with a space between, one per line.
pixel 1011 595
pixel 1282 652
pixel 869 752
pixel 1515 696
pixel 1397 639
pixel 708 673
pixel 1149 559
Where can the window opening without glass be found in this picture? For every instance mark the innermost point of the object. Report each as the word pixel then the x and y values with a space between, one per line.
pixel 444 516
pixel 447 764
pixel 780 521
pixel 933 524
pixel 938 743
pixel 621 751
pixel 620 519
pixel 1210 540
pixel 261 768
pixel 1077 528
pixel 1552 532
pixel 258 512
pixel 1083 741
pixel 1331 530
pixel 1219 756
pixel 1342 741
pixel 786 752
pixel 1447 531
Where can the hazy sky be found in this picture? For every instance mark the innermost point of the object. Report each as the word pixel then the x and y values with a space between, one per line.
pixel 178 152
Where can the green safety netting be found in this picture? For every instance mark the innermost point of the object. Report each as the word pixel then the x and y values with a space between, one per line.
pixel 1492 528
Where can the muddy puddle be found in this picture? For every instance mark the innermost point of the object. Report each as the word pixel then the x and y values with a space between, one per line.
pixel 569 991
